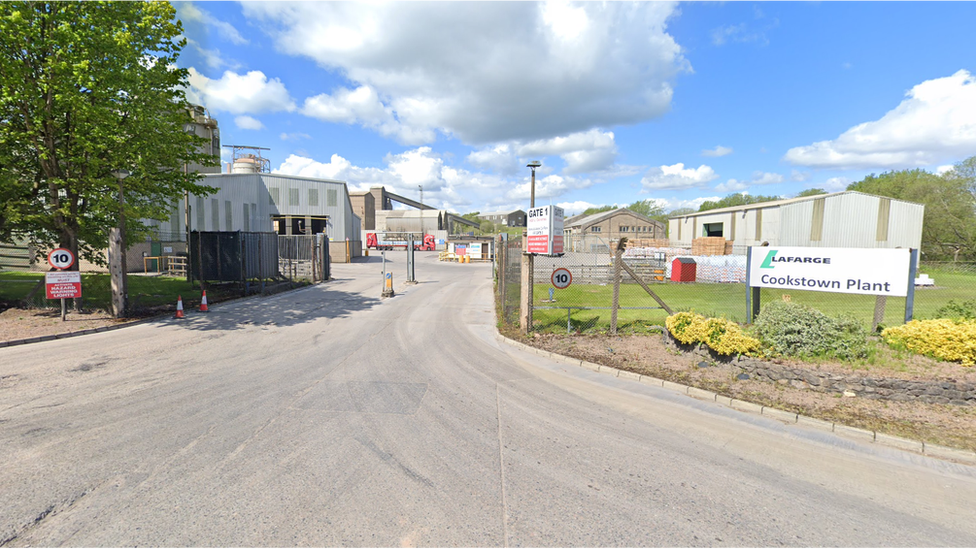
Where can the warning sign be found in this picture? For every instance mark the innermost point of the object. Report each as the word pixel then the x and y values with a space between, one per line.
pixel 63 284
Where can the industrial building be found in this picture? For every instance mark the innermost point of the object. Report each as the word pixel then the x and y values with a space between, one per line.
pixel 595 233
pixel 846 219
pixel 253 201
pixel 511 218
pixel 375 210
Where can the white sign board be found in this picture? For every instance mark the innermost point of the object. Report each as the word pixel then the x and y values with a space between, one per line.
pixel 62 284
pixel 869 271
pixel 544 230
pixel 474 250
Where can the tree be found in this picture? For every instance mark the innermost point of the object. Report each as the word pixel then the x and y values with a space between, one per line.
pixel 597 209
pixel 89 88
pixel 735 199
pixel 810 192
pixel 949 224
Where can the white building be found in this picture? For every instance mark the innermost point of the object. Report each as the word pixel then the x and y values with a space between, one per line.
pixel 846 219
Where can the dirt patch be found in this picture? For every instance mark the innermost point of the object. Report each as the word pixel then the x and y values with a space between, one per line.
pixel 18 324
pixel 944 424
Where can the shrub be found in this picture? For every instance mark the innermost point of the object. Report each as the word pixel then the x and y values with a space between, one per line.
pixel 965 310
pixel 944 339
pixel 721 335
pixel 796 330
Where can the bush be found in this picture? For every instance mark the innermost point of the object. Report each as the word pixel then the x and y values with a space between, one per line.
pixel 721 335
pixel 793 329
pixel 944 339
pixel 963 311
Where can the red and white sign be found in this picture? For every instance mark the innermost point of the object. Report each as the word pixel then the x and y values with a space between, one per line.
pixel 61 258
pixel 544 230
pixel 562 278
pixel 63 284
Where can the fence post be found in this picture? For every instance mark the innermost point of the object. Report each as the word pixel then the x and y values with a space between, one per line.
pixel 879 311
pixel 910 298
pixel 528 283
pixel 617 260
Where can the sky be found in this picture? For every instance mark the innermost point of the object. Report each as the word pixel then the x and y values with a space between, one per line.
pixel 672 102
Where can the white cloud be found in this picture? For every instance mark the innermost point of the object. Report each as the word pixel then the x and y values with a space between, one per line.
pixel 833 184
pixel 583 152
pixel 296 136
pixel 798 176
pixel 500 159
pixel 189 11
pixel 363 106
pixel 944 169
pixel 485 72
pixel 717 151
pixel 548 187
pixel 732 185
pixel 677 177
pixel 238 94
pixel 935 122
pixel 444 186
pixel 575 208
pixel 248 123
pixel 765 178
pixel 671 204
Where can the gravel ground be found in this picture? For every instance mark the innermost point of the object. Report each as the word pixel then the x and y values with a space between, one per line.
pixel 25 323
pixel 947 425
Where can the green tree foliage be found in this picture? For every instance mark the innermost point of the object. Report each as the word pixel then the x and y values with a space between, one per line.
pixel 949 226
pixel 87 88
pixel 597 209
pixel 810 192
pixel 735 199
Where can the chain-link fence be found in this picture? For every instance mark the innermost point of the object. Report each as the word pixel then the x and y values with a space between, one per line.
pixel 716 288
pixel 508 273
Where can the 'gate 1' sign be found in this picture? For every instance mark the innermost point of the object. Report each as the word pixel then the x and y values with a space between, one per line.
pixel 62 284
pixel 544 230
pixel 870 271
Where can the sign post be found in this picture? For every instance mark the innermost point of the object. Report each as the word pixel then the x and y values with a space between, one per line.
pixel 62 284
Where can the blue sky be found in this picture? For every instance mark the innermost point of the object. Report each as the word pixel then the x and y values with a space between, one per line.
pixel 675 102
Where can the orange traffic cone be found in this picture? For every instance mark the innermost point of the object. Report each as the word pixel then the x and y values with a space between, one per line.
pixel 179 307
pixel 203 303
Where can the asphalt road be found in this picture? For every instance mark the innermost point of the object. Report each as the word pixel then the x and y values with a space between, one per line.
pixel 329 417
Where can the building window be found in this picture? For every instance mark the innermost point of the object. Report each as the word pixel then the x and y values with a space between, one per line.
pixel 713 229
pixel 332 198
pixel 229 219
pixel 313 197
pixel 214 214
pixel 624 228
pixel 293 197
pixel 247 217
pixel 596 229
pixel 274 196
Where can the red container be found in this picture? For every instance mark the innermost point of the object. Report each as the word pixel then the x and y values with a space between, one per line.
pixel 683 269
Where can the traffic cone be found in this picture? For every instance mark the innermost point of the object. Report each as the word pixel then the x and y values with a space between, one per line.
pixel 203 303
pixel 179 307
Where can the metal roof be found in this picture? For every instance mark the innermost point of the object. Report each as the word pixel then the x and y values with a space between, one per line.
pixel 776 203
pixel 597 217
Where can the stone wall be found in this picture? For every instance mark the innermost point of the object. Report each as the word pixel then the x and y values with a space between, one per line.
pixel 928 391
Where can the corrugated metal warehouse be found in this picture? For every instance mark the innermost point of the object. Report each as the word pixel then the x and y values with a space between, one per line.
pixel 269 202
pixel 846 219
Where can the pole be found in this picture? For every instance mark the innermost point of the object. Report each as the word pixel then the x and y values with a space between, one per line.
pixel 617 260
pixel 910 298
pixel 528 268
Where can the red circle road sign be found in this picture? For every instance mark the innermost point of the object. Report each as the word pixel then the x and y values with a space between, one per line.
pixel 61 258
pixel 562 278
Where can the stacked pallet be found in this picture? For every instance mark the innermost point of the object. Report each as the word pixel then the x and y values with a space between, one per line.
pixel 711 245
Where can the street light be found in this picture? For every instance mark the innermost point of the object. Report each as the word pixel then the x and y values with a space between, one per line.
pixel 120 288
pixel 528 266
pixel 534 164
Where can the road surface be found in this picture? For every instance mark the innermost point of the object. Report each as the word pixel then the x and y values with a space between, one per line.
pixel 330 417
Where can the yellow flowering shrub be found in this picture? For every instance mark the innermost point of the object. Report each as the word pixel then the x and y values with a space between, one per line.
pixel 721 335
pixel 944 339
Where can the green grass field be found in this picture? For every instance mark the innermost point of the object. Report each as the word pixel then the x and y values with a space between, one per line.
pixel 144 292
pixel 729 301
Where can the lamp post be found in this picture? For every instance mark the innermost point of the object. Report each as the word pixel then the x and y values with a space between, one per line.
pixel 117 253
pixel 528 264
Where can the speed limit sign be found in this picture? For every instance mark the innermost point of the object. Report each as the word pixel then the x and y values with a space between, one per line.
pixel 61 258
pixel 562 278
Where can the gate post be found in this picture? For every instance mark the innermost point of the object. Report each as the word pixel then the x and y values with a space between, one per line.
pixel 525 304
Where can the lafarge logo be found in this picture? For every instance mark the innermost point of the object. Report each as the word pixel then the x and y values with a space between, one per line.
pixel 772 258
